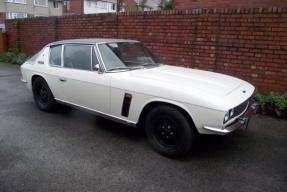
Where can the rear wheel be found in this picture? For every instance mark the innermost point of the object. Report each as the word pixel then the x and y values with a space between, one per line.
pixel 43 96
pixel 169 131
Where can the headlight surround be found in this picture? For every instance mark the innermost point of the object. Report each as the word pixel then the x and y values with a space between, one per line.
pixel 229 114
pixel 239 109
pixel 226 117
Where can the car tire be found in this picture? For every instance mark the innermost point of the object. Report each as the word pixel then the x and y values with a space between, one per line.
pixel 169 132
pixel 43 96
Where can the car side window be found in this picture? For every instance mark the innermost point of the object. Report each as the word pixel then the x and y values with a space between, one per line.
pixel 55 55
pixel 77 57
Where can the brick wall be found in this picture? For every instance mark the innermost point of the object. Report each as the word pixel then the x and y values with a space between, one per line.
pixel 2 17
pixel 249 43
pixel 3 42
pixel 76 7
pixel 191 4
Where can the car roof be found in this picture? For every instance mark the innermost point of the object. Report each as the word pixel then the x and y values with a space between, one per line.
pixel 92 41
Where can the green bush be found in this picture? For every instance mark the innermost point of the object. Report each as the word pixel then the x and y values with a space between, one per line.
pixel 10 57
pixel 273 104
pixel 6 57
pixel 167 5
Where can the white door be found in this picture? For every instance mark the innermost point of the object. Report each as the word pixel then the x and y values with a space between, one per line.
pixel 53 69
pixel 79 83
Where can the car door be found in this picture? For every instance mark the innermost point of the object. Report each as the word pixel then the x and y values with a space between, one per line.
pixel 80 84
pixel 53 70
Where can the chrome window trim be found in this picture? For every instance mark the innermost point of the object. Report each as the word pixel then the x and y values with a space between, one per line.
pixel 101 69
pixel 98 55
pixel 93 47
pixel 106 71
pixel 101 58
pixel 91 52
pixel 62 57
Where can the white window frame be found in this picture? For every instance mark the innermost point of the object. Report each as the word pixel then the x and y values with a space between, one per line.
pixel 17 1
pixel 56 3
pixel 13 15
pixel 102 5
pixel 39 5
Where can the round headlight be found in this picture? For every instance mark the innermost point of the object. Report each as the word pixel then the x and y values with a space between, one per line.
pixel 226 117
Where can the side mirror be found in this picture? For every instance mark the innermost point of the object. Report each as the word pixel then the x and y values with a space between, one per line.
pixel 96 67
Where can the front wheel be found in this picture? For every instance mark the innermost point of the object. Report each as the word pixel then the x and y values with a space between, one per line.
pixel 43 96
pixel 169 131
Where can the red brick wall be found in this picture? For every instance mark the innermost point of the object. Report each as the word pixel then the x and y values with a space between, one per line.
pixel 2 17
pixel 2 42
pixel 250 44
pixel 76 6
pixel 189 4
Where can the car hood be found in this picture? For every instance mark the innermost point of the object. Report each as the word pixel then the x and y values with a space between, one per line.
pixel 190 79
pixel 197 87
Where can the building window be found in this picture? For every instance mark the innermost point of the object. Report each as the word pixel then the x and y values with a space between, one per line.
pixel 41 3
pixel 56 4
pixel 15 15
pixel 37 15
pixel 20 1
pixel 113 6
pixel 89 3
pixel 17 1
pixel 102 5
pixel 66 4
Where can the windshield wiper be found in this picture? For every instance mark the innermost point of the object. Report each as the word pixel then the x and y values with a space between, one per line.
pixel 150 64
pixel 120 68
pixel 126 68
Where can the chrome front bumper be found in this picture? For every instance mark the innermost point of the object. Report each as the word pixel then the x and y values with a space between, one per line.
pixel 240 122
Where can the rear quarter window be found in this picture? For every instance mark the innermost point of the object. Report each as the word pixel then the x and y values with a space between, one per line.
pixel 55 55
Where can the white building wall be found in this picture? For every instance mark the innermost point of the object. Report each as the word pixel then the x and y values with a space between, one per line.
pixel 29 8
pixel 92 7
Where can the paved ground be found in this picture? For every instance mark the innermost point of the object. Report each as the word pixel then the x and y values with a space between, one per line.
pixel 75 151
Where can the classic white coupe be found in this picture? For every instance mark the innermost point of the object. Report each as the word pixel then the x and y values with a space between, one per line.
pixel 122 80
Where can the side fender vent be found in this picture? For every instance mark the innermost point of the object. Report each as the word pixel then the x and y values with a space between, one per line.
pixel 126 104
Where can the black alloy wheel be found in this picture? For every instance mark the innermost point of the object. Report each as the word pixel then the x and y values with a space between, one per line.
pixel 43 96
pixel 169 132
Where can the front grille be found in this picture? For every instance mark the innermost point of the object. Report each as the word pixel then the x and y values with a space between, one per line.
pixel 240 108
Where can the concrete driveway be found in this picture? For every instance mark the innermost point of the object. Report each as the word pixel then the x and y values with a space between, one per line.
pixel 73 150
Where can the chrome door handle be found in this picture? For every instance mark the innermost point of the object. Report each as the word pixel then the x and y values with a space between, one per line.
pixel 62 79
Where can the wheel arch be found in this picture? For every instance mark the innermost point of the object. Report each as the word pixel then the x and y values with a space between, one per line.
pixel 37 75
pixel 156 102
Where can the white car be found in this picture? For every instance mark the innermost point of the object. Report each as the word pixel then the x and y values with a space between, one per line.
pixel 122 80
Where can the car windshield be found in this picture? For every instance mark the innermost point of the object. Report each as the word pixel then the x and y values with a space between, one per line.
pixel 126 56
